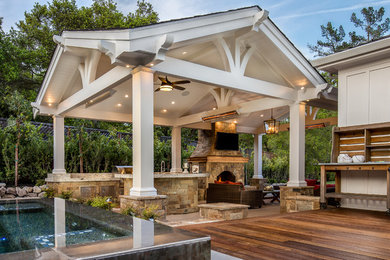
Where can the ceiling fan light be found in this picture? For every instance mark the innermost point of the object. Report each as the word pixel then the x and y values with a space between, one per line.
pixel 166 88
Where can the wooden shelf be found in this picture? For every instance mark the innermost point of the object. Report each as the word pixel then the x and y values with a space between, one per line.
pixel 355 196
pixel 378 146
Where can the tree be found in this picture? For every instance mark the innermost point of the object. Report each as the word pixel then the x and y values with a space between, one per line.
pixel 43 21
pixel 22 114
pixel 334 40
pixel 371 24
pixel 25 52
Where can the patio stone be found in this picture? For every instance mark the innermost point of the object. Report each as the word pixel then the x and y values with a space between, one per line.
pixel 225 211
pixel 302 203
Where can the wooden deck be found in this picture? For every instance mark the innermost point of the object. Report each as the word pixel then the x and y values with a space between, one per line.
pixel 325 234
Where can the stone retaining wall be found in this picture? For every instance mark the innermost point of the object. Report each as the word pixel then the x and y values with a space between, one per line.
pixel 21 192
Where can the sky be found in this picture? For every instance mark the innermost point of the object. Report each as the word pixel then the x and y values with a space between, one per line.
pixel 300 20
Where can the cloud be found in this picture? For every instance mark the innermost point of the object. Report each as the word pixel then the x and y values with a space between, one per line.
pixel 169 9
pixel 327 11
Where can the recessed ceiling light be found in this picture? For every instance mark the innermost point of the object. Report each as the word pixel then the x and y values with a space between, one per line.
pixel 307 100
pixel 214 108
pixel 126 96
pixel 261 115
pixel 302 88
pixel 184 53
pixel 164 110
pixel 173 102
pixel 49 104
pixel 119 105
pixel 91 101
pixel 235 121
pixel 127 66
pixel 151 64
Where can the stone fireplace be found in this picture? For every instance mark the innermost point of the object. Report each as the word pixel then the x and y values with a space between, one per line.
pixel 218 163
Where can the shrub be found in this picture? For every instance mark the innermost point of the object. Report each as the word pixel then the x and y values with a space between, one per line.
pixel 150 212
pixel 129 211
pixel 66 195
pixel 100 202
pixel 40 182
pixel 50 193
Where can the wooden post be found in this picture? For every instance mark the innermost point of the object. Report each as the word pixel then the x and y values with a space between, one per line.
pixel 388 191
pixel 338 182
pixel 337 187
pixel 323 187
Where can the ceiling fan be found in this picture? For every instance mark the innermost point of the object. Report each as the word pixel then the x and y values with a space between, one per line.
pixel 167 85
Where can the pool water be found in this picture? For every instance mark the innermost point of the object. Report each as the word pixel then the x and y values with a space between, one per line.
pixel 31 225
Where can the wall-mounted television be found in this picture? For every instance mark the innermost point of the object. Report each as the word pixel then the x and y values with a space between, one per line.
pixel 226 141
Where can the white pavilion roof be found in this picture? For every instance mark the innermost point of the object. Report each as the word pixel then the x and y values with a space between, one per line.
pixel 240 51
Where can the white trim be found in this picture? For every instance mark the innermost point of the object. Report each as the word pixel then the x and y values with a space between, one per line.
pixel 289 50
pixel 104 83
pixel 222 78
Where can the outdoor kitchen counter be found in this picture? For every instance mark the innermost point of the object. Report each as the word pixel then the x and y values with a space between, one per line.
pixel 183 190
pixel 166 175
pixel 353 168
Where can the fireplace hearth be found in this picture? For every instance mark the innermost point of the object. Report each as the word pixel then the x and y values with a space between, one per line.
pixel 214 161
pixel 226 176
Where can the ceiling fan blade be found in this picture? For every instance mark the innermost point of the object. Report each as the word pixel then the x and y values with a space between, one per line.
pixel 178 87
pixel 157 89
pixel 167 80
pixel 162 79
pixel 181 82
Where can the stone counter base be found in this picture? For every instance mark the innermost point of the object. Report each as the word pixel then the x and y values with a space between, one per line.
pixel 182 193
pixel 223 211
pixel 302 203
pixel 139 202
pixel 290 191
pixel 85 185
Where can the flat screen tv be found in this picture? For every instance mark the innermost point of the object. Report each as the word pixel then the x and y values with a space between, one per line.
pixel 226 141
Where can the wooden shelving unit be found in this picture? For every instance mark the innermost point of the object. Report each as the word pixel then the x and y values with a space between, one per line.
pixel 372 141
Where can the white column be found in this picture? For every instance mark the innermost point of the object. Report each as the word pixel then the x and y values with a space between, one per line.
pixel 176 149
pixel 59 223
pixel 59 144
pixel 143 163
pixel 297 145
pixel 143 233
pixel 258 156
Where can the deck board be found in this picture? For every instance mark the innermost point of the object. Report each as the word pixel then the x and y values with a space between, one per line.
pixel 323 234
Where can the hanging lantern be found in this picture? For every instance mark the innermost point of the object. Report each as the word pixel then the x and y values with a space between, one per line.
pixel 271 126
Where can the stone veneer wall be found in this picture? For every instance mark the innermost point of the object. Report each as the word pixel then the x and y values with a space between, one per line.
pixel 202 187
pixel 139 203
pixel 85 185
pixel 287 193
pixel 183 194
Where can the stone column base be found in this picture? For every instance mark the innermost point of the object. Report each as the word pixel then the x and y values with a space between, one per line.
pixel 258 182
pixel 140 202
pixel 290 191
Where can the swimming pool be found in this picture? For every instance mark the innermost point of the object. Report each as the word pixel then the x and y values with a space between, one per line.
pixel 48 228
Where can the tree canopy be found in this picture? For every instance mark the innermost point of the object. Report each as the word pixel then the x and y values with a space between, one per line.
pixel 372 26
pixel 26 50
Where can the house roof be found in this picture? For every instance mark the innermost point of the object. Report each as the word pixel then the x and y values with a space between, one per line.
pixel 362 54
pixel 240 54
